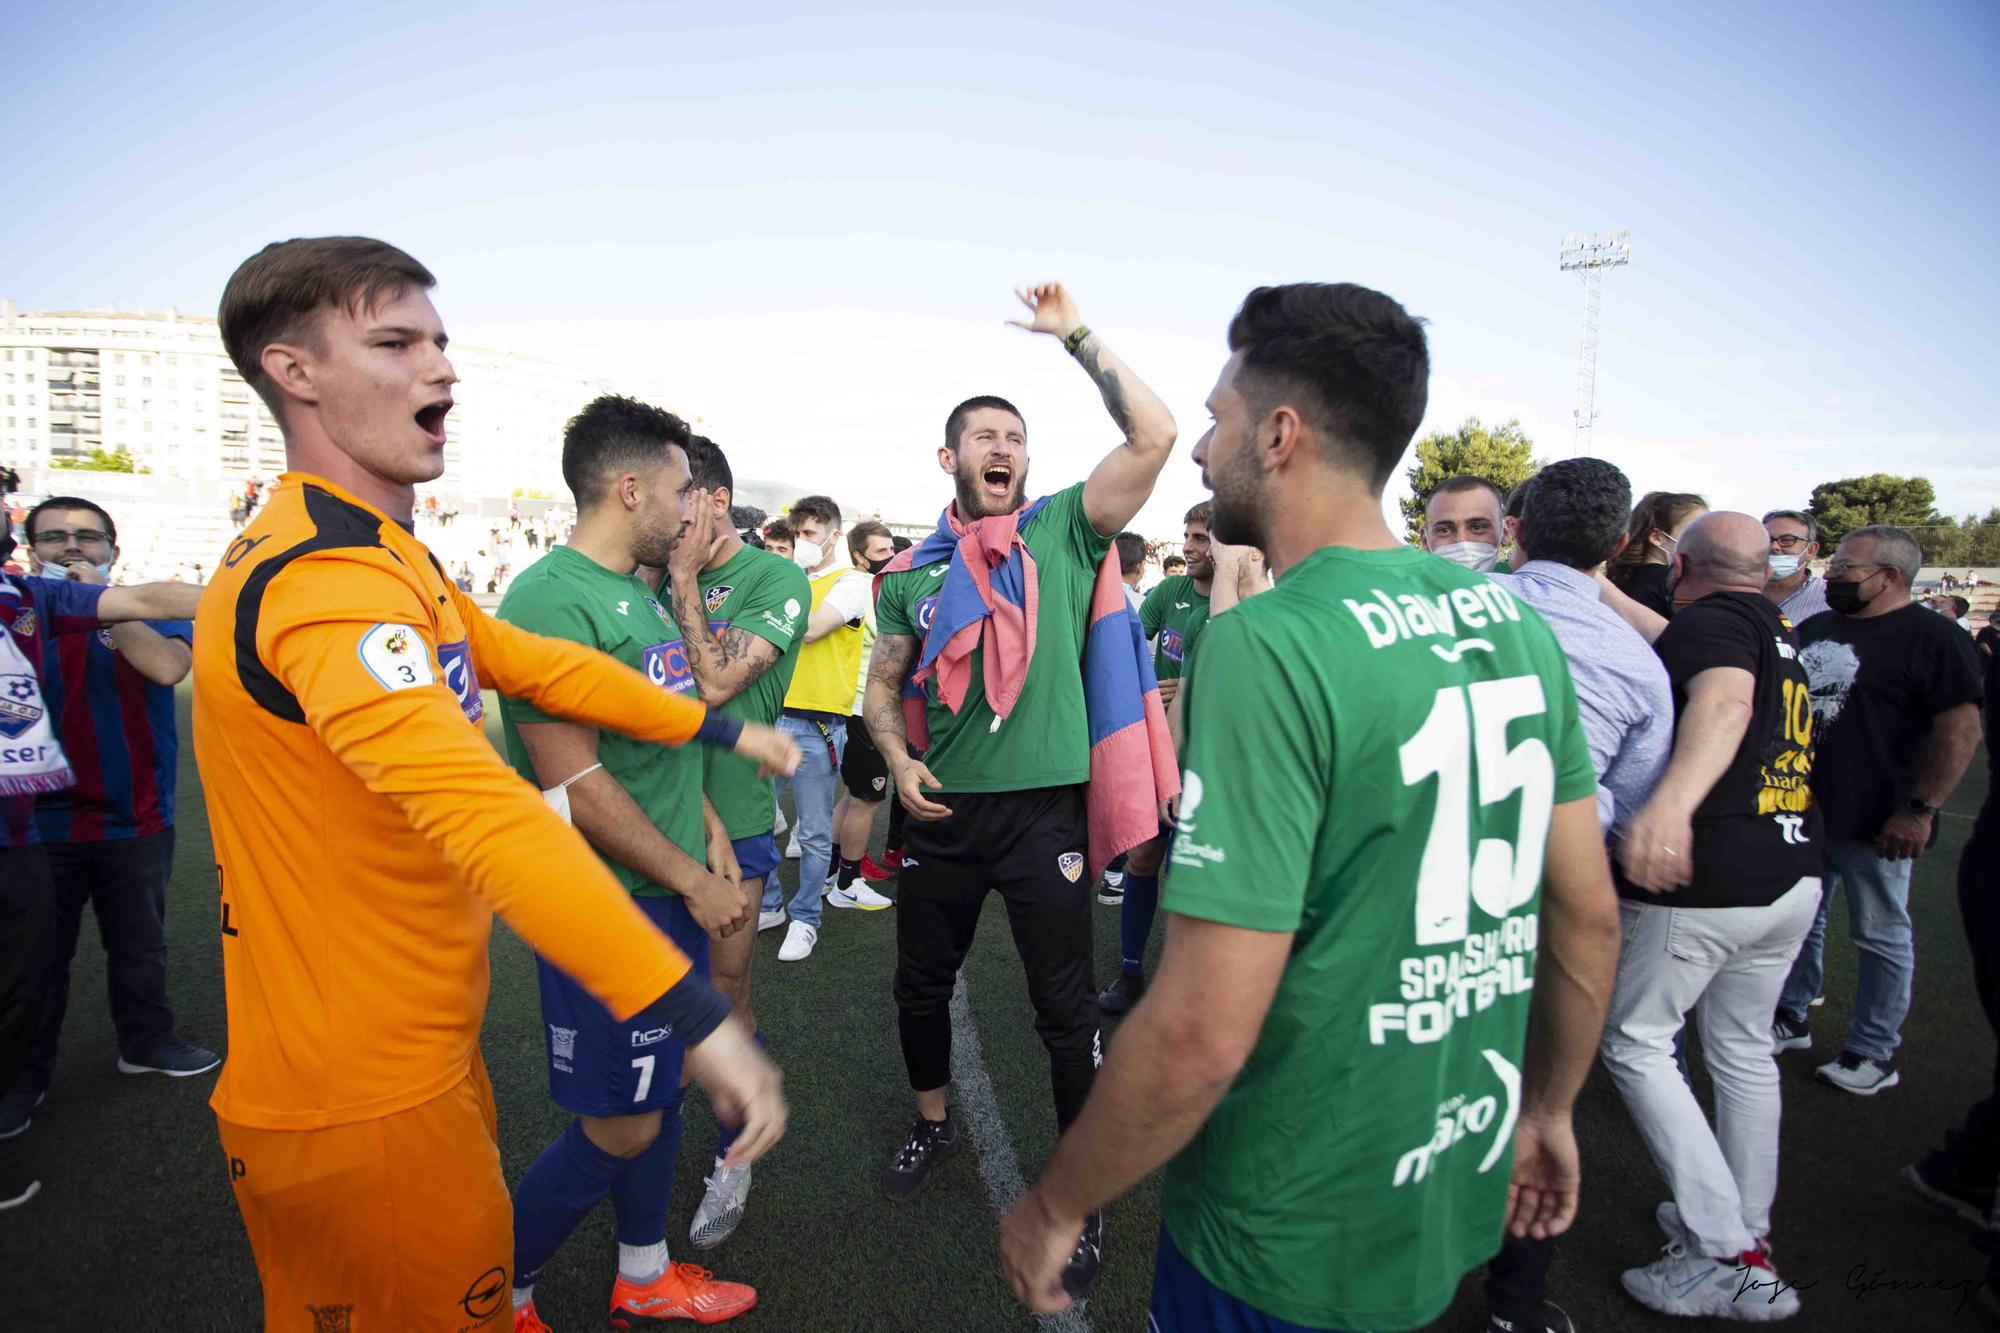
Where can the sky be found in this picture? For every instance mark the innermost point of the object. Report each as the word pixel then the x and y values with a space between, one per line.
pixel 803 226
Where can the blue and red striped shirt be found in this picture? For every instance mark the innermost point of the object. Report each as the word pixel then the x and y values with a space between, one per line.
pixel 119 732
pixel 38 612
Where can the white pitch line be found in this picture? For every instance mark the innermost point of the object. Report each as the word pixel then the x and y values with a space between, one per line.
pixel 999 1166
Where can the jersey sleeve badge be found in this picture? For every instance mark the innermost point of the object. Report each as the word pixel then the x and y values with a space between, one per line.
pixel 397 656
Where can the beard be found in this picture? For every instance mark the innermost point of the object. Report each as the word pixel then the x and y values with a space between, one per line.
pixel 972 499
pixel 1238 485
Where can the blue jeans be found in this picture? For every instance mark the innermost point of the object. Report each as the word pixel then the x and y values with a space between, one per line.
pixel 1878 919
pixel 813 789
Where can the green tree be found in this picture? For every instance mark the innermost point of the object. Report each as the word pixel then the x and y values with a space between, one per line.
pixel 1502 455
pixel 100 460
pixel 1855 502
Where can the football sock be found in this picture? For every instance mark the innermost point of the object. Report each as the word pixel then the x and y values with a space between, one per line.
pixel 849 872
pixel 727 1137
pixel 564 1183
pixel 524 1296
pixel 1135 920
pixel 639 1197
pixel 642 1264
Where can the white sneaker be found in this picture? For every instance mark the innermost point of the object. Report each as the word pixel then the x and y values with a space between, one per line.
pixel 792 847
pixel 721 1208
pixel 799 941
pixel 770 920
pixel 859 895
pixel 1681 1282
pixel 779 826
pixel 831 887
pixel 1858 1074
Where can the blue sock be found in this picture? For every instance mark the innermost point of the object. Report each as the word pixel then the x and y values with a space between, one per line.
pixel 1135 919
pixel 640 1195
pixel 727 1138
pixel 565 1183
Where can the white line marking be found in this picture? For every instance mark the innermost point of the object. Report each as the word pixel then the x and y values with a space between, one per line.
pixel 999 1166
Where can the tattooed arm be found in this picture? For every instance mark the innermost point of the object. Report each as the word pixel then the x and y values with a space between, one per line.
pixel 727 664
pixel 1121 484
pixel 882 703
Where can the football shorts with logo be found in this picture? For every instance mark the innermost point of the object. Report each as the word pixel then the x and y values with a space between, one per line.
pixel 862 768
pixel 600 1065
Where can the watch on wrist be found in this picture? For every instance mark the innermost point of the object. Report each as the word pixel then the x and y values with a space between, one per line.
pixel 1917 805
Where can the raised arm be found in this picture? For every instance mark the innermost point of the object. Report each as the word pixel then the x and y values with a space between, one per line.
pixel 1573 978
pixel 725 664
pixel 1121 484
pixel 1239 575
pixel 158 657
pixel 149 601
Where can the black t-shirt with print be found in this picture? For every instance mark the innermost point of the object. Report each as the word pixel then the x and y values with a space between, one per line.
pixel 1757 832
pixel 1877 683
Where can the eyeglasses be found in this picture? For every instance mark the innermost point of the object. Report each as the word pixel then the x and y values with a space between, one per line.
pixel 62 536
pixel 1848 567
pixel 1790 543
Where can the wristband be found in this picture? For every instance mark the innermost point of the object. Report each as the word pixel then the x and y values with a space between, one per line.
pixel 715 729
pixel 691 1007
pixel 1075 340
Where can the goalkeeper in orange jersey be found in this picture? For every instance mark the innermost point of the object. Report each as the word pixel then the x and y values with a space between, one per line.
pixel 366 831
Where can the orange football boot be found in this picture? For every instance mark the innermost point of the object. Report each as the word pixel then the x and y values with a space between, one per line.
pixel 684 1291
pixel 527 1321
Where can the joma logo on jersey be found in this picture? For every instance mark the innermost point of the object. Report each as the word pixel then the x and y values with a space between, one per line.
pixel 1391 620
pixel 1463 1117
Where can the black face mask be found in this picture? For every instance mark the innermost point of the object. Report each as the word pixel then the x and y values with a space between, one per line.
pixel 1844 596
pixel 877 566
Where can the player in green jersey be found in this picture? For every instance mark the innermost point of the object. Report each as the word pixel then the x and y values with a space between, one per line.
pixel 1387 836
pixel 740 613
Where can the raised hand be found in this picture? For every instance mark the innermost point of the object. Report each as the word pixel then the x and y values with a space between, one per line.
pixel 1054 312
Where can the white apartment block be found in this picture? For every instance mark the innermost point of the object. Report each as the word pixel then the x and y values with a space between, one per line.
pixel 158 385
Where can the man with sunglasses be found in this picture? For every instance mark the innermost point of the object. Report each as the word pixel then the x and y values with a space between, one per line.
pixel 110 838
pixel 1895 704
pixel 1799 593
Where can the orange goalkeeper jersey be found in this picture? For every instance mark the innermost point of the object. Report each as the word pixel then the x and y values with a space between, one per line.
pixel 364 828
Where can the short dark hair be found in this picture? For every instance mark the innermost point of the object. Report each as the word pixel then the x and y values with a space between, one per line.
pixel 1959 604
pixel 818 508
pixel 901 544
pixel 1203 513
pixel 708 466
pixel 954 425
pixel 1575 513
pixel 1170 560
pixel 858 536
pixel 779 529
pixel 1797 516
pixel 611 435
pixel 68 502
pixel 274 294
pixel 1517 499
pixel 1349 359
pixel 1468 481
pixel 1131 551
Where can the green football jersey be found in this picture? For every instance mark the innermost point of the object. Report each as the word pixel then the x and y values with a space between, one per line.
pixel 567 595
pixel 766 595
pixel 1045 741
pixel 1173 615
pixel 1374 748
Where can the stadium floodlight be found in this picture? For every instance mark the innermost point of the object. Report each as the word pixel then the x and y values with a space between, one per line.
pixel 1588 255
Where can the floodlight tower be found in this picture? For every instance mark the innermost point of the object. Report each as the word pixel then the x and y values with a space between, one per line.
pixel 1588 255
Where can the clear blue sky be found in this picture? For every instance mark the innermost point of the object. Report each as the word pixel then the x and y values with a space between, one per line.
pixel 803 225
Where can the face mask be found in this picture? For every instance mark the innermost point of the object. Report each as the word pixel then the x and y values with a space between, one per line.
pixel 1844 596
pixel 877 566
pixel 806 555
pixel 1479 557
pixel 1784 566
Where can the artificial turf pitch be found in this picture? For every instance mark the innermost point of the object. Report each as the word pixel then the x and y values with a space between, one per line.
pixel 135 1227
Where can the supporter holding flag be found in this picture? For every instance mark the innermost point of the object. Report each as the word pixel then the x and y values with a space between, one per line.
pixel 1895 697
pixel 997 626
pixel 1720 880
pixel 1287 1064
pixel 110 837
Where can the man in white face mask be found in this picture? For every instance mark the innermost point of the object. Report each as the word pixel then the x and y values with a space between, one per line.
pixel 1799 593
pixel 1462 522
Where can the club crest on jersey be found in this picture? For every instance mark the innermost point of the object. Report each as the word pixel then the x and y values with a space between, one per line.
pixel 718 595
pixel 1071 864
pixel 24 622
pixel 20 704
pixel 104 637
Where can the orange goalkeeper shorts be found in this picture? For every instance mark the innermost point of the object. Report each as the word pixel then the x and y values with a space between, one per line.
pixel 395 1225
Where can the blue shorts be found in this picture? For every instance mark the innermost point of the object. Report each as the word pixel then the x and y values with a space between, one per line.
pixel 600 1066
pixel 756 855
pixel 1186 1302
